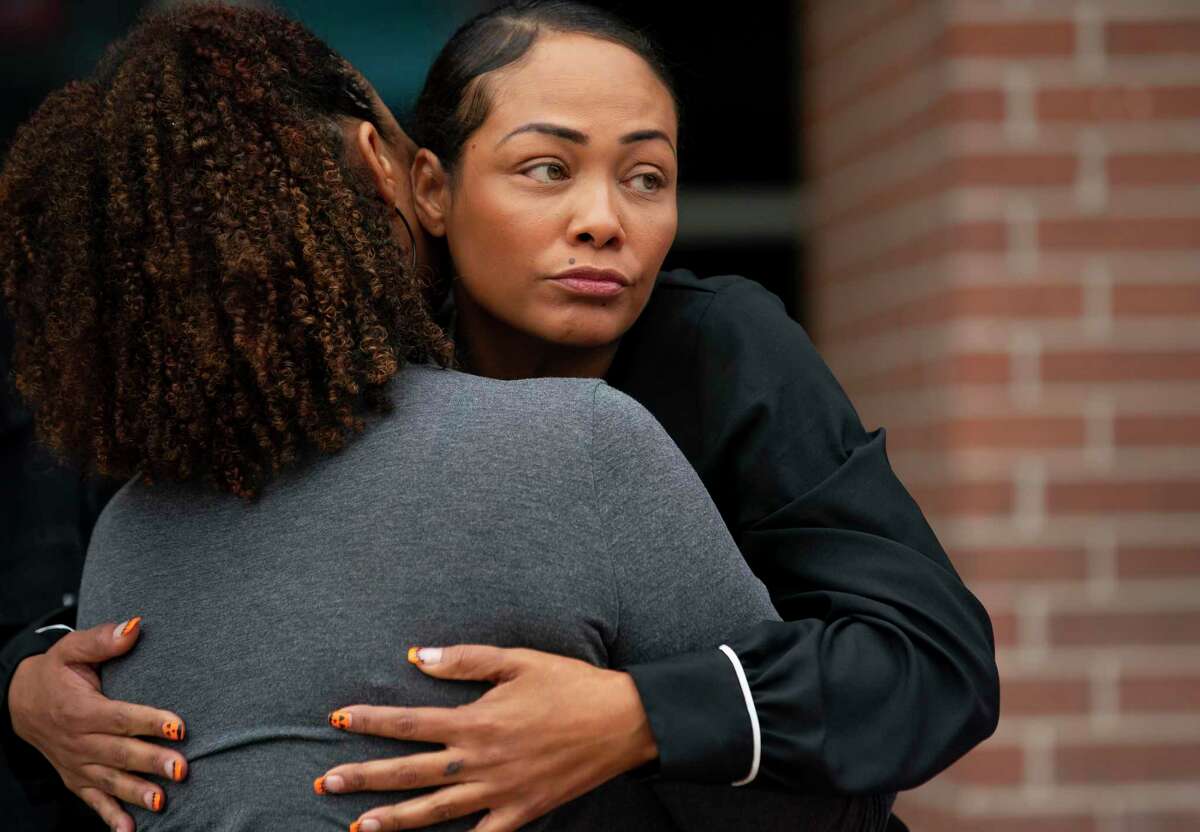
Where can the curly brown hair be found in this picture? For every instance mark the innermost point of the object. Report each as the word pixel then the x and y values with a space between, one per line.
pixel 202 286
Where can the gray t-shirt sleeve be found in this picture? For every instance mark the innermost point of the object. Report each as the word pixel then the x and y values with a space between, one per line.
pixel 682 584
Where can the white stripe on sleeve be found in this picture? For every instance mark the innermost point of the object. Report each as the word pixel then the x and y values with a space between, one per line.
pixel 741 675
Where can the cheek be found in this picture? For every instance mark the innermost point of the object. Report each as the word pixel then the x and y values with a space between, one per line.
pixel 653 236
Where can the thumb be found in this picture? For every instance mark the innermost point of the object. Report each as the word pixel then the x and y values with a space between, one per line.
pixel 480 662
pixel 100 643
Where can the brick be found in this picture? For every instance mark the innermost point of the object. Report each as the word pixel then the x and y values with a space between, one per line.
pixel 1114 497
pixel 1158 37
pixel 1117 365
pixel 968 498
pixel 1115 103
pixel 982 236
pixel 989 765
pixel 1019 564
pixel 1158 561
pixel 1128 233
pixel 1154 169
pixel 1112 628
pixel 967 368
pixel 1128 763
pixel 1016 169
pixel 922 186
pixel 984 302
pixel 1158 822
pixel 1158 431
pixel 880 80
pixel 1000 170
pixel 1053 38
pixel 1168 300
pixel 823 49
pixel 1044 697
pixel 960 106
pixel 1175 692
pixel 994 432
pixel 1004 630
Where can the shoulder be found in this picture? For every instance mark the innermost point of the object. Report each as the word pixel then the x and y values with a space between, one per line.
pixel 461 415
pixel 718 307
pixel 454 394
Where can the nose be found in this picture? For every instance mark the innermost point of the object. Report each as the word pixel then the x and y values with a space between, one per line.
pixel 597 219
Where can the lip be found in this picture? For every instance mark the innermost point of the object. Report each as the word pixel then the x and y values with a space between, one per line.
pixel 593 282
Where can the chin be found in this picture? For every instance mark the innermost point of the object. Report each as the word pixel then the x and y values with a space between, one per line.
pixel 589 331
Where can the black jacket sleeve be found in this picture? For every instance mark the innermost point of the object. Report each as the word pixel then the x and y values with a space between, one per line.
pixel 883 671
pixel 26 762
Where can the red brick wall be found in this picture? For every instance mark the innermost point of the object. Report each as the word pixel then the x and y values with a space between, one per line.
pixel 1006 274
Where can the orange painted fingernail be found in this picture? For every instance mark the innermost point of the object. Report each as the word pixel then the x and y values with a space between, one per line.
pixel 414 655
pixel 173 730
pixel 127 627
pixel 176 771
pixel 356 826
pixel 319 785
pixel 340 719
pixel 154 801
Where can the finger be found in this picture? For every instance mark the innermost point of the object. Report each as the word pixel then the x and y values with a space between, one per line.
pixel 125 787
pixel 108 809
pixel 127 754
pixel 438 807
pixel 440 725
pixel 507 819
pixel 413 772
pixel 480 662
pixel 100 643
pixel 129 720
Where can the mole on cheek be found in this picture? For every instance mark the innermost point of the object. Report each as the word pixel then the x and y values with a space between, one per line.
pixel 572 261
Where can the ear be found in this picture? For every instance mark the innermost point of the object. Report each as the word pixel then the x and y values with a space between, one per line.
pixel 431 192
pixel 384 169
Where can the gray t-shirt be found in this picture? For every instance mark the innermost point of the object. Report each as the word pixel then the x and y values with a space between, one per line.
pixel 550 514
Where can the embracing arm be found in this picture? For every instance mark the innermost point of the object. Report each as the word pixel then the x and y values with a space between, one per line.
pixel 883 671
pixel 57 722
pixel 27 764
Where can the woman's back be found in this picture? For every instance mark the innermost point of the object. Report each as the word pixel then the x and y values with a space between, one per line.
pixel 550 514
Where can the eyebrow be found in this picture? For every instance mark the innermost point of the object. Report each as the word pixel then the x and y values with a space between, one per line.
pixel 577 137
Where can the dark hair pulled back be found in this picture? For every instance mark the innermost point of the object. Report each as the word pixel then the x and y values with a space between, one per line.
pixel 455 100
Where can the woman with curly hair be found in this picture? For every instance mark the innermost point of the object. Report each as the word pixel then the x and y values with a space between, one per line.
pixel 205 254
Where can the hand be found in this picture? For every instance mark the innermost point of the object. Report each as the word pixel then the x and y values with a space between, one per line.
pixel 551 729
pixel 57 707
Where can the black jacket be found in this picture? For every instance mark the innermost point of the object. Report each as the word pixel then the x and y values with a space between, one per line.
pixel 883 672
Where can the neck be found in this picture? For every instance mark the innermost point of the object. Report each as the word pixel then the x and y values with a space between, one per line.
pixel 489 347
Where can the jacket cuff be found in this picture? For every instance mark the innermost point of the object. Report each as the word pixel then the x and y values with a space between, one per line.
pixel 701 717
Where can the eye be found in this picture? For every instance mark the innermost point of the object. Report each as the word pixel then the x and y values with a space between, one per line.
pixel 547 172
pixel 647 183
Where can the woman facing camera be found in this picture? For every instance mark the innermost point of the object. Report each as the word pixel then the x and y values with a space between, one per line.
pixel 214 296
pixel 549 167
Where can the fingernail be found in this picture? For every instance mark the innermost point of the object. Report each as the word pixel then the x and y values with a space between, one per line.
pixel 424 655
pixel 319 785
pixel 126 627
pixel 154 801
pixel 367 825
pixel 334 782
pixel 340 719
pixel 173 730
pixel 174 769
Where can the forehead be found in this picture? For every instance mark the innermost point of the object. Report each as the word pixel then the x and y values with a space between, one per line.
pixel 582 82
